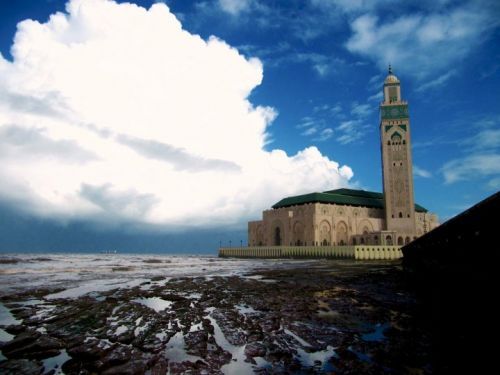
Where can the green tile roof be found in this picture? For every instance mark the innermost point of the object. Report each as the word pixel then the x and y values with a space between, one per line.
pixel 340 196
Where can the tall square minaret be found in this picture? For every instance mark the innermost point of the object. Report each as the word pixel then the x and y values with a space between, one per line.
pixel 396 160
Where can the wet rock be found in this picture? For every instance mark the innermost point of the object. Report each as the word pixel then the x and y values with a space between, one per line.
pixel 160 367
pixel 91 349
pixel 196 341
pixel 15 329
pixel 360 299
pixel 42 347
pixel 255 349
pixel 23 313
pixel 135 366
pixel 116 356
pixel 126 337
pixel 255 336
pixel 21 366
pixel 21 340
pixel 270 325
pixel 75 367
pixel 207 326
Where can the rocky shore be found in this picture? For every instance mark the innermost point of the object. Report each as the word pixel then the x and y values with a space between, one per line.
pixel 341 317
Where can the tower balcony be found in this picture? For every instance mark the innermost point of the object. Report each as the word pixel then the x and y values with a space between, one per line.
pixel 400 102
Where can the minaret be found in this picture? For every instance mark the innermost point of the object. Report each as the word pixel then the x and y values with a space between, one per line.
pixel 396 161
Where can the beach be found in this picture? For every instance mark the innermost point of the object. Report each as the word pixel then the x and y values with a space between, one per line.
pixel 137 314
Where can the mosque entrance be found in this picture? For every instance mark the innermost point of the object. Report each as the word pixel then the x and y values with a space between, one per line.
pixel 277 236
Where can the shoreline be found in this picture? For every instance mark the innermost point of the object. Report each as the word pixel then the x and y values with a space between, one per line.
pixel 340 316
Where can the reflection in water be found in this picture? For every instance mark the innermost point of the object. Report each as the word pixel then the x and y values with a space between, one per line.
pixel 378 334
pixel 176 350
pixel 155 303
pixel 55 363
pixel 6 318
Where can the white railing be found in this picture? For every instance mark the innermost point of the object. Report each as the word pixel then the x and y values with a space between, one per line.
pixel 363 252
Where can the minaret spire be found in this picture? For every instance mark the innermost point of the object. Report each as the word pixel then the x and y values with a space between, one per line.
pixel 397 162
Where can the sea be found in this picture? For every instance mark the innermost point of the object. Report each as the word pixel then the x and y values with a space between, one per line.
pixel 80 274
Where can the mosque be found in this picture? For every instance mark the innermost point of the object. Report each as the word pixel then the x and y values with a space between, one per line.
pixel 356 217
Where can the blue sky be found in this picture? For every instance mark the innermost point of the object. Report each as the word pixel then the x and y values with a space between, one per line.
pixel 311 102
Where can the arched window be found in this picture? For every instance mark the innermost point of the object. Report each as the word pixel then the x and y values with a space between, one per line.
pixel 388 143
pixel 400 214
pixel 388 240
pixel 396 138
pixel 407 240
pixel 325 243
pixel 362 241
pixel 400 241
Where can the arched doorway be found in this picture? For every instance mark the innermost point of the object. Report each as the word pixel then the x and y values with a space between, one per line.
pixel 298 233
pixel 325 233
pixel 277 233
pixel 277 236
pixel 341 233
pixel 260 235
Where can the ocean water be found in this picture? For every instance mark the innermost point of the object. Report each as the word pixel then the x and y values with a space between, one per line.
pixel 80 274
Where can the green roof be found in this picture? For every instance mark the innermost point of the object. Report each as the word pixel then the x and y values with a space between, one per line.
pixel 340 196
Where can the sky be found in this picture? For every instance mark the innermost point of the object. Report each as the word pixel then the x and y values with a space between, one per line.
pixel 166 126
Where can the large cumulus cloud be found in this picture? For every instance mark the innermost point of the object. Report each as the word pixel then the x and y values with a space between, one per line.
pixel 112 112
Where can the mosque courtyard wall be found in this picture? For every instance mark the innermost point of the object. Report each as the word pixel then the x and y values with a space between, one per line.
pixel 370 252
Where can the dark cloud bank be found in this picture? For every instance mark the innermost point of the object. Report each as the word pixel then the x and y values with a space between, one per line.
pixel 21 233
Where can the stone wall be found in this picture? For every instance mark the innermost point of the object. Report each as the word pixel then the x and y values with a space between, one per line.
pixel 333 252
pixel 315 224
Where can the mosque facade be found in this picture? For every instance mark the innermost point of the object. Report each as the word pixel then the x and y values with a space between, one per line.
pixel 356 217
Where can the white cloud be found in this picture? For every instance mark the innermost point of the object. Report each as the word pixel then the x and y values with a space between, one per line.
pixel 361 110
pixel 310 131
pixel 350 6
pixel 423 44
pixel 351 131
pixel 485 139
pixel 471 167
pixel 321 64
pixel 377 97
pixel 235 7
pixel 437 82
pixel 324 135
pixel 114 113
pixel 420 172
pixel 494 184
